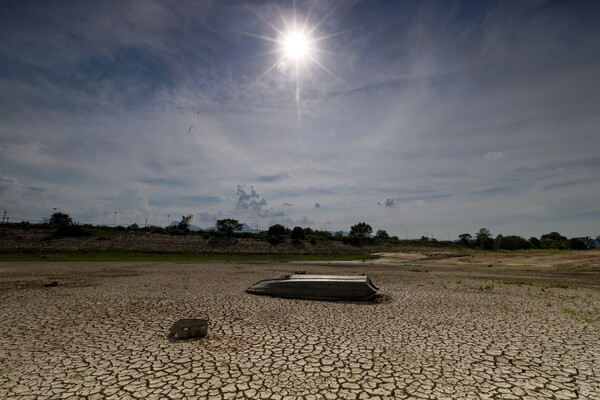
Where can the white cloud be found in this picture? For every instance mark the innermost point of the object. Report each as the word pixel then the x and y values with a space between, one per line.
pixel 5 179
pixel 494 155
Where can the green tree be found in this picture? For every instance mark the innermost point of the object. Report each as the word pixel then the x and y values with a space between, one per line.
pixel 535 242
pixel 464 238
pixel 276 230
pixel 554 240
pixel 60 219
pixel 297 233
pixel 497 241
pixel 184 224
pixel 483 234
pixel 484 239
pixel 361 230
pixel 382 234
pixel 576 244
pixel 228 225
pixel 276 234
pixel 512 243
pixel 554 236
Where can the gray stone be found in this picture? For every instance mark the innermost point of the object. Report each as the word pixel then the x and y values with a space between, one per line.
pixel 189 329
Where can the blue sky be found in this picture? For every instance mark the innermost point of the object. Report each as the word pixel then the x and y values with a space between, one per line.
pixel 418 117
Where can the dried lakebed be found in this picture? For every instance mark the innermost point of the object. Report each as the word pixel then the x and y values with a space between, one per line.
pixel 438 332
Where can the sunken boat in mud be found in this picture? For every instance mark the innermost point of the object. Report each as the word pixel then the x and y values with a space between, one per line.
pixel 317 287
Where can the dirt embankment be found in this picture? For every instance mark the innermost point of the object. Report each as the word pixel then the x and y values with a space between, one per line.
pixel 32 240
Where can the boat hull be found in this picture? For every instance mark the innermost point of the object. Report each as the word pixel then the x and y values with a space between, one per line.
pixel 317 287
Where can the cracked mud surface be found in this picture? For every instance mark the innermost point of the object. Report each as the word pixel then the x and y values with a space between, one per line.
pixel 441 332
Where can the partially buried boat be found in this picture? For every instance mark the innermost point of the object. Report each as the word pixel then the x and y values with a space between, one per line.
pixel 317 287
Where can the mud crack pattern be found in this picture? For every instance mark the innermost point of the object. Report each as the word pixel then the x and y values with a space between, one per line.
pixel 443 334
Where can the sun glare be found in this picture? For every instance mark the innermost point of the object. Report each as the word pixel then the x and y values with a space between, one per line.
pixel 295 45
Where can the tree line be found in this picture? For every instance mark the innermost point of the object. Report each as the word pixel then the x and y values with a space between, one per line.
pixel 553 240
pixel 360 233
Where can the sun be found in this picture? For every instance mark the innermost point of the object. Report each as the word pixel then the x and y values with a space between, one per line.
pixel 296 45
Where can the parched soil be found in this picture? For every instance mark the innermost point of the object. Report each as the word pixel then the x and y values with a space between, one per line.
pixel 443 328
pixel 535 259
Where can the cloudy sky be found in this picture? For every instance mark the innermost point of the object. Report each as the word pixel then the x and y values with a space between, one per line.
pixel 418 117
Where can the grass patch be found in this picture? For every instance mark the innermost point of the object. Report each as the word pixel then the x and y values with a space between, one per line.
pixel 518 283
pixel 555 285
pixel 418 270
pixel 542 285
pixel 150 256
pixel 486 288
pixel 583 315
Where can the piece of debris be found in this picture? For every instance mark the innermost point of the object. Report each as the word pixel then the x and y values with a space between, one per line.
pixel 300 272
pixel 189 329
pixel 51 284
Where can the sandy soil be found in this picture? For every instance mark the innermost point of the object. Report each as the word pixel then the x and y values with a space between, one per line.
pixel 438 331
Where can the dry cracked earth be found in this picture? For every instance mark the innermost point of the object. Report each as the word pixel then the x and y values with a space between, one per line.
pixel 437 332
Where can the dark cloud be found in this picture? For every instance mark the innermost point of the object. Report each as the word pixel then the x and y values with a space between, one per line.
pixel 317 205
pixel 388 202
pixel 248 199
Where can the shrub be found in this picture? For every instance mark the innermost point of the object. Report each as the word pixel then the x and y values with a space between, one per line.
pixel 298 233
pixel 381 234
pixel 72 230
pixel 228 225
pixel 276 234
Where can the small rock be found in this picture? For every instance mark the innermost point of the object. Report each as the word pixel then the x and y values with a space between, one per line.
pixel 51 284
pixel 189 329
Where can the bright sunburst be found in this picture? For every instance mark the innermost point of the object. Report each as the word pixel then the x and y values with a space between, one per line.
pixel 296 45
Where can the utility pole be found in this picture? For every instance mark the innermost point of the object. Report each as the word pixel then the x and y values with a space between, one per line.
pixel 4 216
pixel 146 222
pixel 115 220
pixel 406 234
